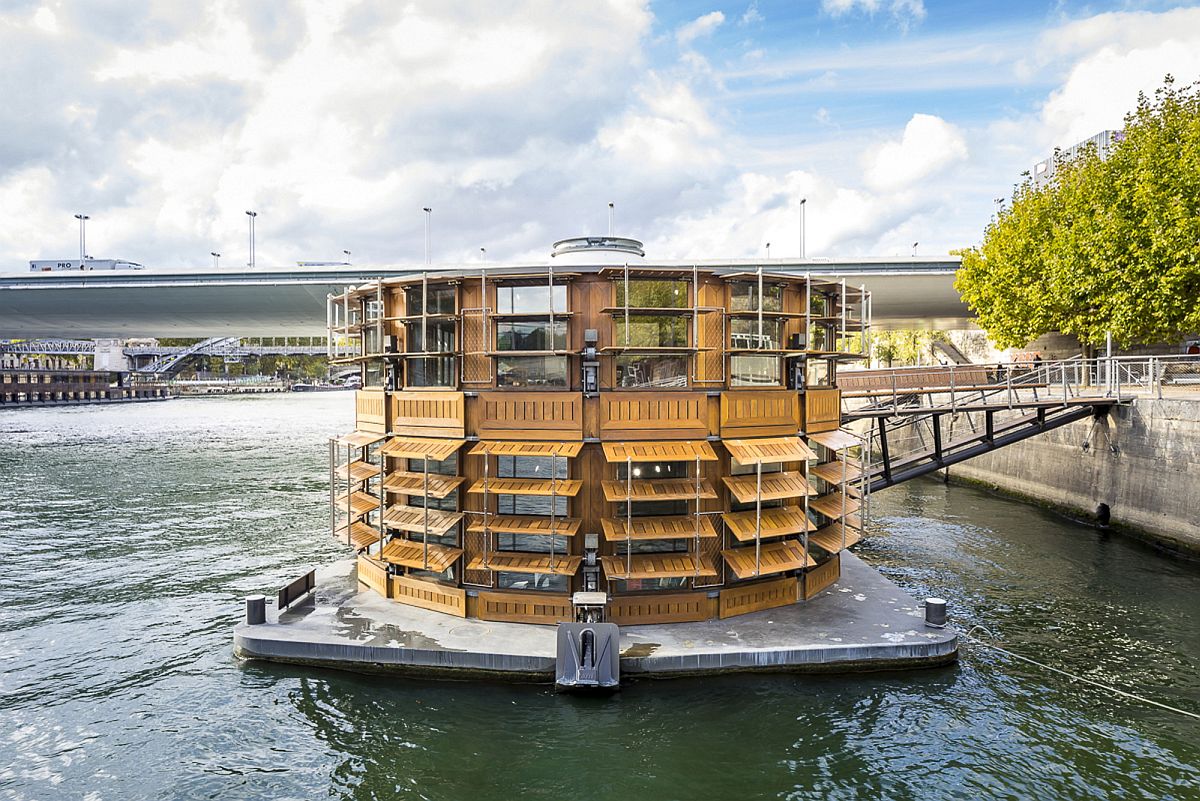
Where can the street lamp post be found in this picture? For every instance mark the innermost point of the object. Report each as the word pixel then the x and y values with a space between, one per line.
pixel 251 215
pixel 347 254
pixel 768 251
pixel 216 259
pixel 428 213
pixel 83 218
pixel 803 205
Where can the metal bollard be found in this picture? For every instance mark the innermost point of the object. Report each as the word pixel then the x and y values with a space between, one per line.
pixel 935 613
pixel 256 609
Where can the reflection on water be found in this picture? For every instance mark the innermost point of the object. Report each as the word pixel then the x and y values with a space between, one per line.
pixel 130 534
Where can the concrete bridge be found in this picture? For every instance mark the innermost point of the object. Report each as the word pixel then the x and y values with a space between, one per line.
pixel 908 292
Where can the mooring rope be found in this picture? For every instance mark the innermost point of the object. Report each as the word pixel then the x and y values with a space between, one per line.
pixel 969 636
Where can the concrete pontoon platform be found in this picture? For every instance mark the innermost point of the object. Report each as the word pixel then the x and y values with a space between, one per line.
pixel 863 622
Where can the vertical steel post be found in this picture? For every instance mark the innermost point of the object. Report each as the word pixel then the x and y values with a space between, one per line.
pixel 628 507
pixel 425 534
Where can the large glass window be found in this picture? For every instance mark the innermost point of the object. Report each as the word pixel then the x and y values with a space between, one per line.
pixel 820 305
pixel 531 335
pixel 817 373
pixel 654 470
pixel 668 294
pixel 430 371
pixel 744 296
pixel 438 334
pixel 542 467
pixel 533 581
pixel 822 337
pixel 652 371
pixel 532 543
pixel 651 584
pixel 651 331
pixel 754 371
pixel 530 299
pixel 531 371
pixel 744 333
pixel 441 300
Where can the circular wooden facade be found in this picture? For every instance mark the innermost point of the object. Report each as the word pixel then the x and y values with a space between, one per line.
pixel 667 436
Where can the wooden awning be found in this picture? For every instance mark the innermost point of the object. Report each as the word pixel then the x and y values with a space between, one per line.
pixel 832 471
pixel 773 557
pixel 775 486
pixel 656 489
pixel 357 470
pixel 357 535
pixel 356 503
pixel 836 536
pixel 678 451
pixel 410 483
pixel 657 565
pixel 410 553
pixel 664 527
pixel 513 562
pixel 527 524
pixel 831 505
pixel 837 440
pixel 774 523
pixel 504 448
pixel 358 439
pixel 768 449
pixel 562 487
pixel 421 447
pixel 412 518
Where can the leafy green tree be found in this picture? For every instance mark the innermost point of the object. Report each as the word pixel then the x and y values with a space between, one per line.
pixel 1110 245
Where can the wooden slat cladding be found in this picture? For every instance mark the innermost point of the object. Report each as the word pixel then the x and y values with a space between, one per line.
pixel 369 411
pixel 766 413
pixel 686 607
pixel 524 607
pixel 755 597
pixel 653 415
pixel 822 576
pixel 529 415
pixel 373 573
pixel 428 414
pixel 822 410
pixel 428 595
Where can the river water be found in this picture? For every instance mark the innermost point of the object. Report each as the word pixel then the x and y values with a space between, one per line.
pixel 129 535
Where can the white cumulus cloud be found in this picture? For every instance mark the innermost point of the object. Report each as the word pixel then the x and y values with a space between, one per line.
pixel 928 144
pixel 699 27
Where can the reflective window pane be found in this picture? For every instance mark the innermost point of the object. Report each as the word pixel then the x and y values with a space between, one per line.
pixel 530 299
pixel 746 371
pixel 652 371
pixel 654 294
pixel 744 333
pixel 531 371
pixel 531 335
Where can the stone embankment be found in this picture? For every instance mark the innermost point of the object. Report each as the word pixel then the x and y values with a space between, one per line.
pixel 1137 469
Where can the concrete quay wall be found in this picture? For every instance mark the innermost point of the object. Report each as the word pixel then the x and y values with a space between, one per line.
pixel 1142 461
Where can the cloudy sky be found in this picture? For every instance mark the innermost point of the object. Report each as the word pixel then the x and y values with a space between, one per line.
pixel 518 121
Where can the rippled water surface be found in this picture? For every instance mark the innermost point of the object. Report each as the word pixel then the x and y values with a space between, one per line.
pixel 130 533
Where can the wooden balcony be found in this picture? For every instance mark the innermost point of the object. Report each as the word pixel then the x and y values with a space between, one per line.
pixel 356 503
pixel 561 487
pixel 836 536
pixel 527 524
pixel 657 565
pixel 768 450
pixel 773 557
pixel 657 489
pixel 358 535
pixel 357 471
pixel 514 562
pixel 410 483
pixel 774 523
pixel 835 504
pixel 775 486
pixel 667 527
pixel 419 556
pixel 413 519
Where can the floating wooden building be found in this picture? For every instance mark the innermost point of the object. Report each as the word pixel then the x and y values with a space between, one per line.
pixel 663 438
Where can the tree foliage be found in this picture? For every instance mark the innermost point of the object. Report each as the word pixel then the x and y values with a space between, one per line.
pixel 1109 245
